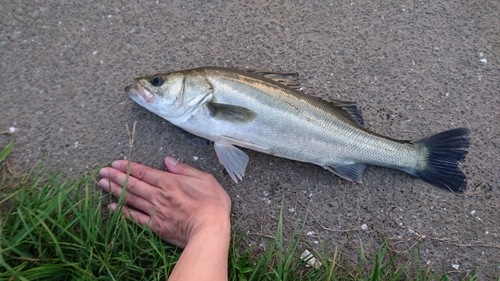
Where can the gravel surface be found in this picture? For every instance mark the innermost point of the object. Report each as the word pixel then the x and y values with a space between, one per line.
pixel 415 68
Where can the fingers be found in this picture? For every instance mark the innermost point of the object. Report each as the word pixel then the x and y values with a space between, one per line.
pixel 130 198
pixel 152 176
pixel 133 185
pixel 141 172
pixel 132 215
pixel 175 167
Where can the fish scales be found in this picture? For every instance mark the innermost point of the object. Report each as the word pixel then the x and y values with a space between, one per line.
pixel 335 138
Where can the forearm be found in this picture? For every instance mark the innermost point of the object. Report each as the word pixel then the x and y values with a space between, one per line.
pixel 205 257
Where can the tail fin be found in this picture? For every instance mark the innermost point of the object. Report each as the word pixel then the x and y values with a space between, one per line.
pixel 444 152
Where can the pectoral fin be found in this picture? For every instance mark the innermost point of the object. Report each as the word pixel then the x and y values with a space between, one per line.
pixel 231 113
pixel 234 160
pixel 352 172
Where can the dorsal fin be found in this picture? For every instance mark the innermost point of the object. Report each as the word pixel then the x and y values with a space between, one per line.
pixel 351 108
pixel 289 79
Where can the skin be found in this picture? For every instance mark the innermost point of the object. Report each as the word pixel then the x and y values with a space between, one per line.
pixel 186 207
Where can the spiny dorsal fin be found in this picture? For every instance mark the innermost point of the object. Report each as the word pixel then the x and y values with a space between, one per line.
pixel 289 79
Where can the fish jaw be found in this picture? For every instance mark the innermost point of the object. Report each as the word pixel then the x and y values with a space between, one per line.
pixel 150 101
pixel 139 94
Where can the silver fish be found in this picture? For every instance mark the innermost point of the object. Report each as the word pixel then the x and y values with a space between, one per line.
pixel 254 111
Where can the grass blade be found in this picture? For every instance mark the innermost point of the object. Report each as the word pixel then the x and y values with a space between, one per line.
pixel 6 151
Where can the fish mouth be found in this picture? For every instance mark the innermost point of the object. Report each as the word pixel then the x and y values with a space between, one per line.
pixel 136 91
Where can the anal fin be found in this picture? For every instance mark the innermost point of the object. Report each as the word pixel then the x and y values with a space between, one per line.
pixel 353 172
pixel 234 160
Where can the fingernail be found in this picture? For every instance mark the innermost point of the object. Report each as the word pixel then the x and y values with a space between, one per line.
pixel 171 160
pixel 112 207
pixel 115 164
pixel 104 184
pixel 104 173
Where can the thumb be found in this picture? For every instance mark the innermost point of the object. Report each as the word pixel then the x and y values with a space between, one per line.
pixel 176 167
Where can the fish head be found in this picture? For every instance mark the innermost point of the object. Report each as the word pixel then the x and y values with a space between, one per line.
pixel 160 94
pixel 172 96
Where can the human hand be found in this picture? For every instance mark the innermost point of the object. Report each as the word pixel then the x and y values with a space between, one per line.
pixel 177 205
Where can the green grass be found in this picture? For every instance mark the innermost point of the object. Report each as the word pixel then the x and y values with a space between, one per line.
pixel 4 153
pixel 57 229
pixel 52 228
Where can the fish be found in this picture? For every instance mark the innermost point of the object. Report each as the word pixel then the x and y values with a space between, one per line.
pixel 265 112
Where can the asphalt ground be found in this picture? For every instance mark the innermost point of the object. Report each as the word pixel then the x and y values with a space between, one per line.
pixel 415 68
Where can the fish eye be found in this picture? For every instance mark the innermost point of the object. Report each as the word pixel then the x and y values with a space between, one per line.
pixel 157 81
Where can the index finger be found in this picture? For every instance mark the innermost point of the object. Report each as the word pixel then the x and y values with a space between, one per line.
pixel 141 172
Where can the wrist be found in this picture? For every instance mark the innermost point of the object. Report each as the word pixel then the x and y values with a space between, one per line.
pixel 212 221
pixel 205 256
pixel 216 229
